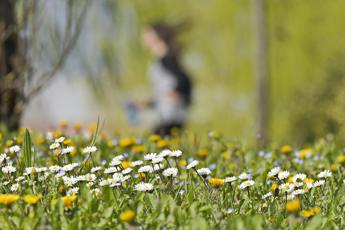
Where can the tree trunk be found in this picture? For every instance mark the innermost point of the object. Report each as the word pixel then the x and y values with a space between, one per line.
pixel 10 109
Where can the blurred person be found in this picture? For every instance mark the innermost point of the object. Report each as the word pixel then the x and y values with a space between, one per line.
pixel 171 85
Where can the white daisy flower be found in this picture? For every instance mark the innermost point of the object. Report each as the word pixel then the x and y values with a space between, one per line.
pixel 243 176
pixel 90 177
pixel 127 171
pixel 95 169
pixel 110 170
pixel 318 183
pixel 8 169
pixel 72 191
pixel 246 184
pixel 230 179
pixel 193 164
pixel 267 195
pixel 68 149
pixel 157 160
pixel 137 163
pixel 176 153
pixel 274 172
pixel 324 174
pixel 204 171
pixel 150 156
pixel 3 157
pixel 298 177
pixel 158 167
pixel 70 167
pixel 298 192
pixel 170 172
pixel 145 169
pixel 54 168
pixel 14 187
pixel 60 139
pixel 14 149
pixel 143 187
pixel 89 149
pixel 115 162
pixel 283 175
pixel 164 153
pixel 287 187
pixel 55 145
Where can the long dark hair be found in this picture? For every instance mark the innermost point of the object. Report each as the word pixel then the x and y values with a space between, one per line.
pixel 168 33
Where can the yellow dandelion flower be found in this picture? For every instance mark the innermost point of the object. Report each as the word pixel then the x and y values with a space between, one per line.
pixel 182 163
pixel 21 130
pixel 138 149
pixel 68 201
pixel 305 153
pixel 308 180
pixel 334 167
pixel 77 126
pixel 163 143
pixel 274 187
pixel 293 205
pixel 31 199
pixel 154 138
pixel 227 154
pixel 63 124
pixel 20 140
pixel 341 159
pixel 127 142
pixel 286 149
pixel 9 143
pixel 216 182
pixel 39 139
pixel 9 198
pixel 68 142
pixel 310 213
pixel 126 164
pixel 57 133
pixel 92 127
pixel 127 216
pixel 203 153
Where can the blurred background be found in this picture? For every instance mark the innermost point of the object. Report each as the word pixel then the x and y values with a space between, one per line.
pixel 304 57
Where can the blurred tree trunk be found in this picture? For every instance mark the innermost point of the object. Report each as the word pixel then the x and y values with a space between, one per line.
pixel 19 82
pixel 10 105
pixel 259 8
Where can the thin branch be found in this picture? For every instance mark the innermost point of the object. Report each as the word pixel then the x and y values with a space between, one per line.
pixel 48 76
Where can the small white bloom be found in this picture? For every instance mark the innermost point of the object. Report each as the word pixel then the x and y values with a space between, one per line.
pixel 158 167
pixel 14 149
pixel 204 171
pixel 170 172
pixel 150 156
pixel 246 184
pixel 55 145
pixel 175 153
pixel 89 149
pixel 164 153
pixel 318 183
pixel 283 175
pixel 287 187
pixel 267 195
pixel 115 162
pixel 298 192
pixel 73 191
pixel 95 169
pixel 243 176
pixel 157 160
pixel 137 163
pixel 143 187
pixel 230 179
pixel 324 174
pixel 54 168
pixel 127 171
pixel 60 139
pixel 8 169
pixel 193 164
pixel 110 170
pixel 274 172
pixel 298 177
pixel 68 149
pixel 14 187
pixel 145 169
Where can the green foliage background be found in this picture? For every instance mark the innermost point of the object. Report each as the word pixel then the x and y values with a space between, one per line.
pixel 304 39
